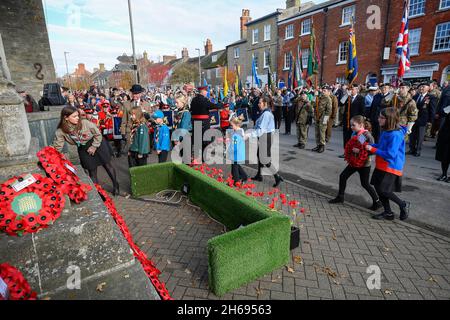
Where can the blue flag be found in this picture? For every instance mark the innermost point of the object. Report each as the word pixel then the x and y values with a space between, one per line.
pixel 255 74
pixel 352 67
pixel 205 84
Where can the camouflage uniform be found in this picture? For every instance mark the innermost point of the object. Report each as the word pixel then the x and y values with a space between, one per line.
pixel 333 116
pixel 323 110
pixel 303 117
pixel 406 107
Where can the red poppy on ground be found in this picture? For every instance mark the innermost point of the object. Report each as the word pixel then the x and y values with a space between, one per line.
pixel 272 205
pixel 302 210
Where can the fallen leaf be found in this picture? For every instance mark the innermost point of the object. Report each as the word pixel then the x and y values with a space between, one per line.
pixel 258 291
pixel 169 262
pixel 306 242
pixel 126 276
pixel 298 260
pixel 432 280
pixel 101 286
pixel 389 292
pixel 336 282
pixel 187 271
pixel 289 269
pixel 46 298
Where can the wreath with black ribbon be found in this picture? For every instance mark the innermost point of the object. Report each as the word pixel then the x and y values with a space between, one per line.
pixel 356 160
pixel 31 209
pixel 63 172
pixel 18 287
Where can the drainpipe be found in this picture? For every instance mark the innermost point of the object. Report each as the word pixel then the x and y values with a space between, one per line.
pixel 325 27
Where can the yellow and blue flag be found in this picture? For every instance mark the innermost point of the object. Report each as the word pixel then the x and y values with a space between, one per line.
pixel 352 67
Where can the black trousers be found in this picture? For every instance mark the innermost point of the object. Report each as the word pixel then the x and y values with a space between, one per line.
pixel 134 161
pixel 162 157
pixel 278 113
pixel 347 135
pixel 206 125
pixel 288 114
pixel 238 173
pixel 364 175
pixel 417 137
pixel 266 138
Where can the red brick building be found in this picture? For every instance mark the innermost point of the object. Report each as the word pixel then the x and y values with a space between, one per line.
pixel 377 24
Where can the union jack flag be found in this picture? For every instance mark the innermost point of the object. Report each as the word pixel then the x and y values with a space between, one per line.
pixel 403 43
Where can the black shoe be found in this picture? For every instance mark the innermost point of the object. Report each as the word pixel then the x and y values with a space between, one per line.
pixel 384 216
pixel 321 149
pixel 302 146
pixel 342 156
pixel 257 178
pixel 376 205
pixel 448 180
pixel 338 199
pixel 116 191
pixel 417 154
pixel 411 152
pixel 442 178
pixel 297 145
pixel 404 211
pixel 278 180
pixel 316 149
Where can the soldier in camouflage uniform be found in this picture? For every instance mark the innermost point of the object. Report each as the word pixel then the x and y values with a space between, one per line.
pixel 303 118
pixel 406 106
pixel 321 116
pixel 334 115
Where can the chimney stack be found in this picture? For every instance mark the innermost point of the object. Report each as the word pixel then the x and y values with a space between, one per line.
pixel 245 18
pixel 208 47
pixel 101 67
pixel 293 4
pixel 185 53
pixel 145 55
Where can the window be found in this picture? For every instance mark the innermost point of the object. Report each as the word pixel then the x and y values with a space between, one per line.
pixel 290 31
pixel 305 58
pixel 445 4
pixel 442 38
pixel 255 36
pixel 214 58
pixel 306 27
pixel 267 30
pixel 347 14
pixel 414 41
pixel 255 57
pixel 287 61
pixel 236 52
pixel 343 52
pixel 416 8
pixel 218 75
pixel 266 59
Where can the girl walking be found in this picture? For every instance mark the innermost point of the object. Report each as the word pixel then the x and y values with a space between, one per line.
pixel 390 161
pixel 140 139
pixel 93 150
pixel 358 161
pixel 236 151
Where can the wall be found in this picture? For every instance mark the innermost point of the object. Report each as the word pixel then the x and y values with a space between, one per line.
pixel 25 37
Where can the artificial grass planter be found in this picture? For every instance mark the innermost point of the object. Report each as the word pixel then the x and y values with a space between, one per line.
pixel 260 238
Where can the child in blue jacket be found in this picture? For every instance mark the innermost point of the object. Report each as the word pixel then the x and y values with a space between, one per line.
pixel 390 161
pixel 162 137
pixel 236 151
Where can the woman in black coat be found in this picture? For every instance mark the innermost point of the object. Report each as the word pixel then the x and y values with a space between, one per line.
pixel 443 147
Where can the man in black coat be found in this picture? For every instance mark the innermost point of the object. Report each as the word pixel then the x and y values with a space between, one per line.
pixel 354 106
pixel 200 107
pixel 426 104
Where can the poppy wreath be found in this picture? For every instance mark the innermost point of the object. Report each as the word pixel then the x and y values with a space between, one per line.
pixel 148 266
pixel 32 208
pixel 356 160
pixel 57 167
pixel 18 286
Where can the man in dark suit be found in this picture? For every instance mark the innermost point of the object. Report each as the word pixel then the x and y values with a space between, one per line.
pixel 426 104
pixel 200 107
pixel 354 106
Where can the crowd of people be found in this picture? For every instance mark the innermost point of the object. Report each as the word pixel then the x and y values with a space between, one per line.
pixel 376 120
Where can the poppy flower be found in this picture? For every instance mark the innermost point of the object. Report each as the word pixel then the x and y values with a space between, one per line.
pixel 249 193
pixel 272 205
pixel 44 218
pixel 302 210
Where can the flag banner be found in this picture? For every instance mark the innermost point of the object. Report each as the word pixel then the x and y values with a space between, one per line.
pixel 313 59
pixel 255 74
pixel 352 67
pixel 225 82
pixel 214 118
pixel 402 52
pixel 168 118
pixel 236 81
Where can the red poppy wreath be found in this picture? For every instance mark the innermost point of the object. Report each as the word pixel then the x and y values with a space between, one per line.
pixel 28 204
pixel 13 285
pixel 356 160
pixel 63 172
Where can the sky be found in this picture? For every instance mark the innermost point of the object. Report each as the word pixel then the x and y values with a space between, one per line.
pixel 98 31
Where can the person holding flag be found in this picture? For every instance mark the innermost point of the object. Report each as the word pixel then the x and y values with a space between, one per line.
pixel 255 74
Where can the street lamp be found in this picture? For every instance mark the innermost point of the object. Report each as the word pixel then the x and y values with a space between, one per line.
pixel 67 69
pixel 132 42
pixel 199 68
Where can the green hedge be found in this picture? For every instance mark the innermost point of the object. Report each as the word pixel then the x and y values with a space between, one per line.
pixel 259 242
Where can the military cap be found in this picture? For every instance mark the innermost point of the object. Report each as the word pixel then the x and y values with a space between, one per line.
pixel 425 83
pixel 326 87
pixel 202 88
pixel 404 84
pixel 385 85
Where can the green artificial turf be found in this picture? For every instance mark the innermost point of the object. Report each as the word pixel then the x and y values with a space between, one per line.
pixel 260 238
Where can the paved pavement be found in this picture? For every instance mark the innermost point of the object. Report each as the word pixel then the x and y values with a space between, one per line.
pixel 338 244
